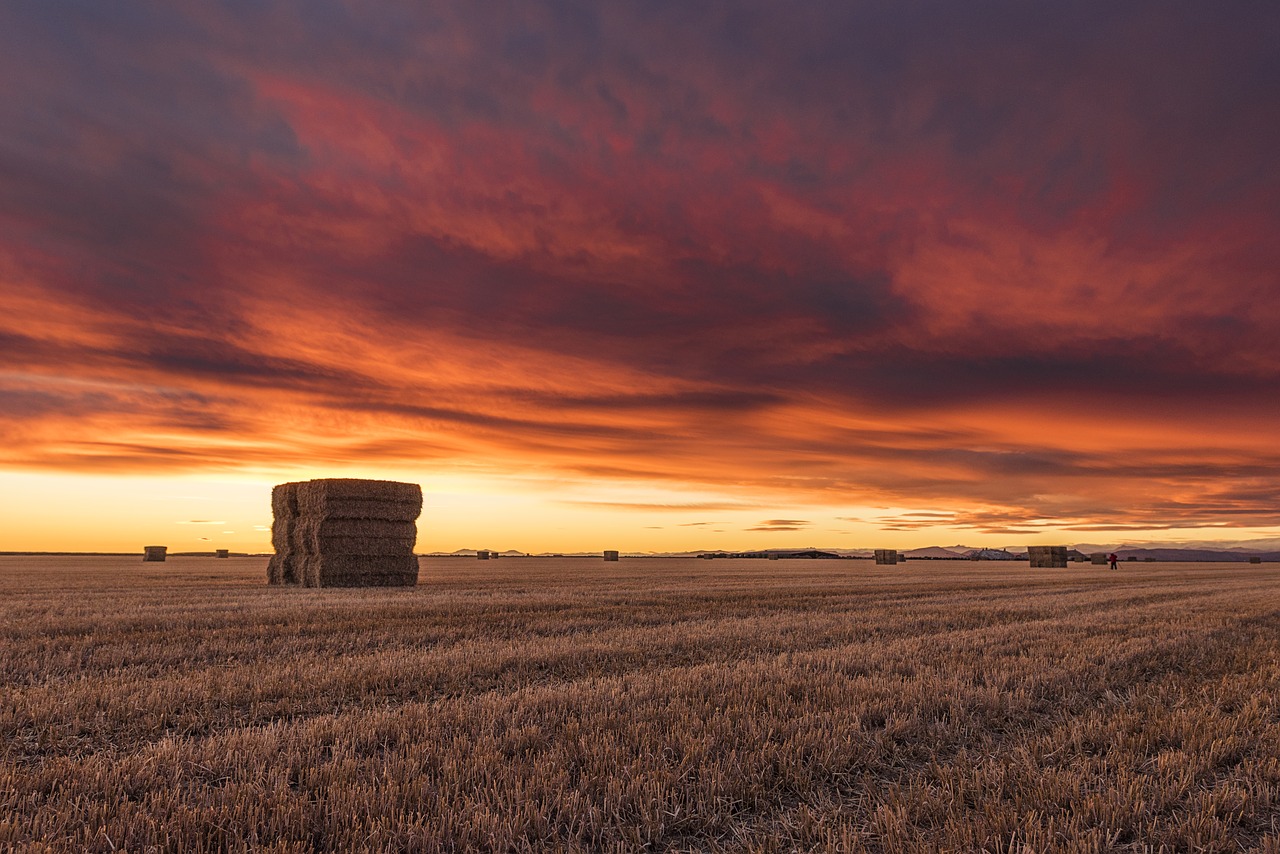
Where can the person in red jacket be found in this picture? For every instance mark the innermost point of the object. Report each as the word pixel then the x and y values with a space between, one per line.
pixel 1112 557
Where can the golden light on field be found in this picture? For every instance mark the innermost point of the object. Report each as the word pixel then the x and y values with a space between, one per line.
pixel 581 706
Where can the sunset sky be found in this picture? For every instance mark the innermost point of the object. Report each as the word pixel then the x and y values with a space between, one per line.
pixel 642 275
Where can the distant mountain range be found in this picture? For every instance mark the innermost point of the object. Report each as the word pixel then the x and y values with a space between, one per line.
pixel 1268 550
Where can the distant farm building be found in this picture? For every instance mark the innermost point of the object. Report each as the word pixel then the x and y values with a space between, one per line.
pixel 1047 556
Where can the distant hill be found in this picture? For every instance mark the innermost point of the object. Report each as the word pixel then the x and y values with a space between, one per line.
pixel 935 553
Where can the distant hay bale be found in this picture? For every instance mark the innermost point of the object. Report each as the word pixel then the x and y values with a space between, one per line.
pixel 482 554
pixel 1255 559
pixel 344 532
pixel 154 554
pixel 222 553
pixel 610 554
pixel 774 556
pixel 886 557
pixel 1047 556
pixel 1099 559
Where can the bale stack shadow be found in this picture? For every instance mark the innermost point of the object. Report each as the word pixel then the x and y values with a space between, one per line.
pixel 345 532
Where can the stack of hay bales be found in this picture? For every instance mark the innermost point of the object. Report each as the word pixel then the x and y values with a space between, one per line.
pixel 344 532
pixel 1047 556
pixel 482 554
pixel 222 553
pixel 1255 559
pixel 886 557
pixel 154 553
pixel 1099 559
pixel 610 555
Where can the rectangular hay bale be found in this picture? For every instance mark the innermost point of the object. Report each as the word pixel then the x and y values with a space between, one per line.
pixel 284 500
pixel 359 571
pixel 372 546
pixel 886 557
pixel 312 527
pixel 1047 556
pixel 345 498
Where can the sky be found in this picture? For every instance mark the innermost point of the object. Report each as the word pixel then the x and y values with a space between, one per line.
pixel 642 274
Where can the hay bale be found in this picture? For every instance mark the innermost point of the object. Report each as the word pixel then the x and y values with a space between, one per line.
pixel 1255 559
pixel 312 527
pixel 339 570
pixel 154 554
pixel 482 554
pixel 610 555
pixel 1047 556
pixel 886 557
pixel 347 498
pixel 369 546
pixel 344 532
pixel 222 553
pixel 1099 559
pixel 275 569
pixel 284 500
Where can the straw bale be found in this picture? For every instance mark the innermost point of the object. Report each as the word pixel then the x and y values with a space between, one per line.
pixel 1255 559
pixel 282 533
pixel 1047 556
pixel 154 554
pixel 886 557
pixel 345 498
pixel 283 569
pixel 328 570
pixel 1099 558
pixel 284 500
pixel 222 553
pixel 313 527
pixel 482 554
pixel 352 537
pixel 360 546
pixel 343 532
pixel 610 555
pixel 275 569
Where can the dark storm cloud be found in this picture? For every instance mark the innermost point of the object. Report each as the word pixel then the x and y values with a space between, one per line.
pixel 724 216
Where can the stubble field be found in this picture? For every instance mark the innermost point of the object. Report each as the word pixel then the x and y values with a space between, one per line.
pixel 670 705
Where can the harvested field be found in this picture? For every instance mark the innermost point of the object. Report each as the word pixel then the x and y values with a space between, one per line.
pixel 561 704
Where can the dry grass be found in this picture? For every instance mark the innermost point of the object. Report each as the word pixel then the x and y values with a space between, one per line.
pixel 673 705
